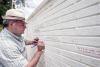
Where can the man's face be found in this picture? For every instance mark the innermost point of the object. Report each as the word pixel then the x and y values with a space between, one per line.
pixel 18 27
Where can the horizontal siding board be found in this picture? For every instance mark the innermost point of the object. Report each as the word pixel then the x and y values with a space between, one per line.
pixel 85 50
pixel 66 60
pixel 94 20
pixel 68 11
pixel 87 41
pixel 76 4
pixel 53 3
pixel 50 6
pixel 88 31
pixel 51 60
pixel 92 11
pixel 81 58
pixel 73 8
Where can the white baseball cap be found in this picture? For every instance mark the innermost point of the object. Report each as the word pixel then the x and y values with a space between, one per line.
pixel 14 14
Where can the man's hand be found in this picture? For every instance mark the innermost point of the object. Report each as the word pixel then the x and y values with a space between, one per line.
pixel 30 42
pixel 40 45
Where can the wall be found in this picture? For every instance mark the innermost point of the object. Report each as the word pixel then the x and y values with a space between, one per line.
pixel 71 31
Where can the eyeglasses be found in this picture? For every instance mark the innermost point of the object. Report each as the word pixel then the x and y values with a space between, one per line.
pixel 18 21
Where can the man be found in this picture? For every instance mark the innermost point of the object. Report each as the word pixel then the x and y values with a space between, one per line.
pixel 12 44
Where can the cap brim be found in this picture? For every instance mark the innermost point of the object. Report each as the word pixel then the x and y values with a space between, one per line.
pixel 13 17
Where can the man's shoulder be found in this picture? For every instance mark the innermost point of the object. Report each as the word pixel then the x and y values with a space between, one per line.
pixel 6 42
pixel 4 38
pixel 8 45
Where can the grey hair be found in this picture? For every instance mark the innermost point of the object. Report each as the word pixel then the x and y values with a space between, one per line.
pixel 5 23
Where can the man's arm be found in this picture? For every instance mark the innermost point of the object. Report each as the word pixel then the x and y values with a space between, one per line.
pixel 35 59
pixel 29 42
pixel 37 55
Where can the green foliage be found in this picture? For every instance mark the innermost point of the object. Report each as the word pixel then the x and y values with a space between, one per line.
pixel 1 27
pixel 4 6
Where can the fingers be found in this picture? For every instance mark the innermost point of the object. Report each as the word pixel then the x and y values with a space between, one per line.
pixel 36 40
pixel 40 45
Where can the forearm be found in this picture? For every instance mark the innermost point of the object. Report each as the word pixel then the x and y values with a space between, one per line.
pixel 35 41
pixel 35 59
pixel 27 42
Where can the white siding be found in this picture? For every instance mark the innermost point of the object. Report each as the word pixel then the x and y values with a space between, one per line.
pixel 71 31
